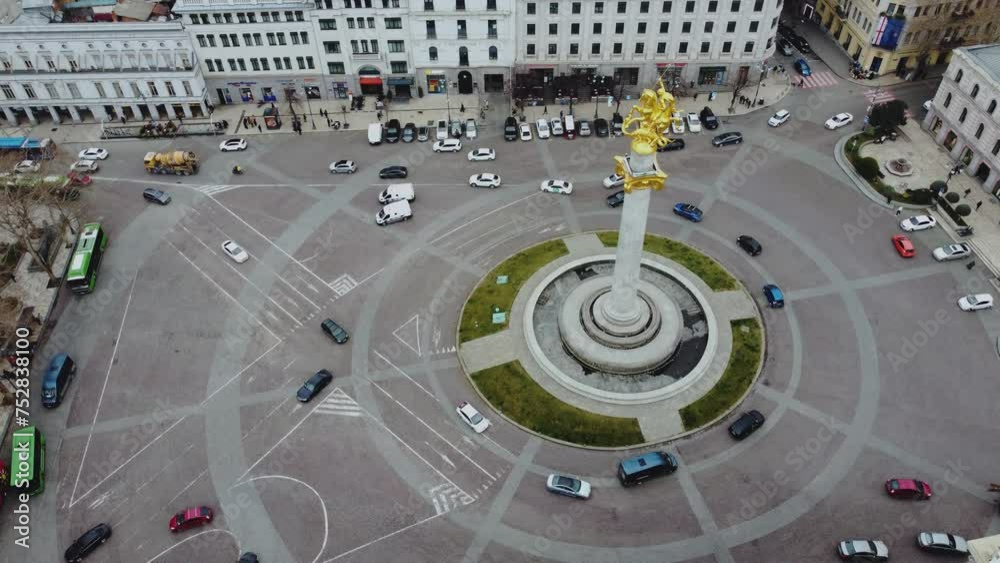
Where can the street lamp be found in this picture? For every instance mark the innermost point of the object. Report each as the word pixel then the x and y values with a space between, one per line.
pixel 305 90
pixel 760 79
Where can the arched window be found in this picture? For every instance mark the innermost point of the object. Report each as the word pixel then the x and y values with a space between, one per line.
pixel 433 52
pixel 975 91
pixel 993 106
pixel 493 53
pixel 958 76
pixel 947 100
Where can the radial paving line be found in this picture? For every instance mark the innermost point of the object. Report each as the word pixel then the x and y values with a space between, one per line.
pixel 565 203
pixel 701 511
pixel 870 282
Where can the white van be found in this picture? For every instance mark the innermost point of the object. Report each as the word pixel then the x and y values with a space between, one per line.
pixel 543 129
pixel 375 134
pixel 569 127
pixel 396 192
pixel 393 213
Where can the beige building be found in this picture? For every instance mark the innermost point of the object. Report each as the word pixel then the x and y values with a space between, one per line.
pixel 908 35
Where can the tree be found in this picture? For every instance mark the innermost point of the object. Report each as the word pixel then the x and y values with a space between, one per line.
pixel 952 197
pixel 742 80
pixel 868 168
pixel 963 210
pixel 888 115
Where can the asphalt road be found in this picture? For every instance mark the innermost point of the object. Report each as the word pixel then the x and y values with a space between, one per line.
pixel 189 362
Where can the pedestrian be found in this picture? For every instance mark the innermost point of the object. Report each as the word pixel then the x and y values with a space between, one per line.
pixel 244 123
pixel 259 130
pixel 967 192
pixel 328 122
pixel 560 114
pixel 123 119
pixel 888 200
pixel 545 110
pixel 300 130
pixel 461 109
pixel 970 265
pixel 899 210
pixel 978 205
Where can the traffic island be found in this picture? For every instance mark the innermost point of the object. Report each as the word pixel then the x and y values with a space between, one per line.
pixel 531 361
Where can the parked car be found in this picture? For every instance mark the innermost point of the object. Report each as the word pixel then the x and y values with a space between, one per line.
pixel 343 167
pixel 677 123
pixel 746 424
pixel 555 125
pixel 87 543
pixel 314 385
pixel 409 133
pixel 568 486
pixel 27 167
pixel 482 154
pixel 908 489
pixel 510 129
pixel 90 166
pixel 800 43
pixel 708 119
pixel 470 129
pixel 393 172
pixel 601 127
pixel 230 145
pixel 617 122
pixel 749 245
pixel 838 121
pixel 471 416
pixel 976 302
pixel 335 331
pixel 583 126
pixel 952 252
pixel 93 154
pixel 863 550
pixel 423 133
pixel 392 131
pixel 694 124
pixel 156 196
pixel 542 127
pixel 448 145
pixel 191 518
pixel 235 252
pixel 485 180
pixel 731 138
pixel 688 211
pixel 557 187
pixel 455 129
pixel 614 181
pixel 785 48
pixel 779 117
pixel 903 246
pixel 441 132
pixel 803 67
pixel 616 199
pixel 942 543
pixel 525 131
pixel 918 223
pixel 775 299
pixel 672 145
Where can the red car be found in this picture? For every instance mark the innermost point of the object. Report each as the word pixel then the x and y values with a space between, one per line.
pixel 903 246
pixel 908 488
pixel 191 518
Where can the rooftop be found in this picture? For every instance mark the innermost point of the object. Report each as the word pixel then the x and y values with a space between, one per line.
pixel 41 12
pixel 987 57
pixel 985 550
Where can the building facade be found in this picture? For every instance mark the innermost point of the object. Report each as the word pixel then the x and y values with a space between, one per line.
pixel 964 117
pixel 905 37
pixel 60 66
pixel 706 44
pixel 254 51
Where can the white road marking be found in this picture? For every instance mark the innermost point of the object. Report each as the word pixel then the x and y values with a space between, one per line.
pixel 474 239
pixel 494 442
pixel 100 399
pixel 422 388
pixel 443 457
pixel 289 364
pixel 477 219
pixel 413 319
pixel 385 537
pixel 322 503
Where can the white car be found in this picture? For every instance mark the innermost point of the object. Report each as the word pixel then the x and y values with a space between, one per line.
pixel 525 131
pixel 93 154
pixel 448 145
pixel 343 167
pixel 778 118
pixel 976 302
pixel 482 154
pixel 543 128
pixel 694 124
pixel 569 486
pixel 557 187
pixel 839 120
pixel 27 167
pixel 614 181
pixel 928 104
pixel 235 252
pixel 952 252
pixel 918 223
pixel 441 133
pixel 485 180
pixel 677 123
pixel 854 550
pixel 472 417
pixel 233 145
pixel 84 166
pixel 556 126
pixel 470 129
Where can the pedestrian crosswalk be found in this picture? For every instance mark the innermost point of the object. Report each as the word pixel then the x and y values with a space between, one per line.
pixel 881 96
pixel 446 497
pixel 338 403
pixel 212 189
pixel 822 79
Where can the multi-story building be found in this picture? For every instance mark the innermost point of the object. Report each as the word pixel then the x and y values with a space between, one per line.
pixel 465 44
pixel 906 36
pixel 365 46
pixel 708 43
pixel 964 117
pixel 101 61
pixel 255 50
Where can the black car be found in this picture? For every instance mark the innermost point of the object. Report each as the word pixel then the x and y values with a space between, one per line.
pixel 335 331
pixel 156 196
pixel 800 43
pixel 409 133
pixel 87 543
pixel 393 172
pixel 731 138
pixel 392 130
pixel 601 127
pixel 746 424
pixel 616 199
pixel 248 557
pixel 510 129
pixel 749 244
pixel 616 125
pixel 672 145
pixel 708 118
pixel 316 383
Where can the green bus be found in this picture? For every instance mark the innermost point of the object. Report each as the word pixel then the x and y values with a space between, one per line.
pixel 86 260
pixel 27 462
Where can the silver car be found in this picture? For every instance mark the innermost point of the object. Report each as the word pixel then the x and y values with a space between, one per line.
pixel 952 252
pixel 569 486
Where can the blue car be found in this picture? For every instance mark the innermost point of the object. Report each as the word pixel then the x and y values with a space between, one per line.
pixel 803 67
pixel 688 211
pixel 775 299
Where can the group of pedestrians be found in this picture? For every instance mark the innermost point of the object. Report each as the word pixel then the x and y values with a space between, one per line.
pixel 249 122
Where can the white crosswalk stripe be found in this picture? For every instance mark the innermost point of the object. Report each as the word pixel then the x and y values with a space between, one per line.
pixel 338 403
pixel 881 96
pixel 821 79
pixel 211 189
pixel 446 497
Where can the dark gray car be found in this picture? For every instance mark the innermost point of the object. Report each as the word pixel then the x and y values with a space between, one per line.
pixel 87 543
pixel 335 331
pixel 156 196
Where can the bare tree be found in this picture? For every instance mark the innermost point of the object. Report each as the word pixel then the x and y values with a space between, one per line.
pixel 742 80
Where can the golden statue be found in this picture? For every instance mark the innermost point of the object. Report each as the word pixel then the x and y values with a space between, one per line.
pixel 646 124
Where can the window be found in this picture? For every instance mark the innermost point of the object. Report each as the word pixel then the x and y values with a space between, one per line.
pixel 709 26
pixel 731 27
pixel 598 7
pixel 265 17
pixel 667 7
pixel 996 147
pixel 459 4
pixel 619 28
pixel 431 30
pixel 428 5
pixel 753 27
pixel 241 17
pixel 494 54
pixel 748 47
pixel 664 27
pixel 187 87
pixel 100 87
pixel 194 19
pixel 491 29
pixel 50 89
pixel 552 48
pixel 325 25
pixel 264 65
pixel 247 39
pixel 682 48
pixel 622 7
pixel 288 62
pixel 209 64
pixel 947 100
pixel 616 49
pixel 288 17
pixel 281 39
pixel 979 131
pixel 335 68
pixel 432 53
pixel 689 7
pixel 277 63
pixel 758 6
pixel 727 47
pixel 713 6
pixel 228 17
pixel 958 76
pixel 975 91
pixel 993 106
pixel 735 6
pixel 74 92
pixel 234 40
pixel 595 49
pixel 252 17
pixel 640 48
pixel 398 67
pixel 491 5
pixel 255 64
pixel 394 23
pixel 243 65
pixel 574 48
pixel 553 29
pixel 553 8
pixel 574 29
pixel 531 29
pixel 201 40
pixel 963 115
pixel 597 28
pixel 217 18
pixel 270 40
pixel 170 89
pixel 257 40
pixel 531 8
pixel 576 8
pixel 232 64
pixel 705 46
pixel 641 28
pixel 531 50
pixel 686 27
pixel 295 38
pixel 643 7
pixel 350 23
pixel 371 23
pixel 396 46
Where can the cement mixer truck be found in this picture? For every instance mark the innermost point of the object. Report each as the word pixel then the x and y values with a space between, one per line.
pixel 181 163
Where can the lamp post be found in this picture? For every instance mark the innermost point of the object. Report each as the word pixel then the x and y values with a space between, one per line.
pixel 305 91
pixel 760 79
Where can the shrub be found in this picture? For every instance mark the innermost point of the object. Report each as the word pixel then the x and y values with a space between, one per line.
pixel 921 196
pixel 952 197
pixel 868 168
pixel 963 210
pixel 947 208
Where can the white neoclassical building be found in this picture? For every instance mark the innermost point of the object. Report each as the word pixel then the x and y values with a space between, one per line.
pixel 964 117
pixel 105 61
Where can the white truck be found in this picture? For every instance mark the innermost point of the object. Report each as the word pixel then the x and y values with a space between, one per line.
pixel 393 213
pixel 396 192
pixel 375 134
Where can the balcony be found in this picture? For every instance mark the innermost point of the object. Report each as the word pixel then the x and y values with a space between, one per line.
pixel 360 56
pixel 949 42
pixel 463 34
pixel 959 15
pixel 841 12
pixel 491 35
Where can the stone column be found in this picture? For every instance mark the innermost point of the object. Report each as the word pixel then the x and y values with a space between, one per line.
pixel 624 306
pixel 31 115
pixel 187 111
pixel 136 113
pixel 170 111
pixel 54 113
pixel 75 114
pixel 941 135
pixel 9 115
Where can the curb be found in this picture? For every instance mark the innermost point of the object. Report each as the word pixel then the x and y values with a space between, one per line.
pixel 826 35
pixel 861 184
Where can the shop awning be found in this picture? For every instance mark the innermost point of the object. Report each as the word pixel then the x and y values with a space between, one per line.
pixel 370 81
pixel 400 81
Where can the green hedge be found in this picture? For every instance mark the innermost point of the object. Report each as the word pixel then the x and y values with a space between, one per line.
pixel 704 267
pixel 739 374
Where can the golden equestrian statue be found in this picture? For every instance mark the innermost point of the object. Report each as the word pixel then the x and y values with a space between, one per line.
pixel 646 124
